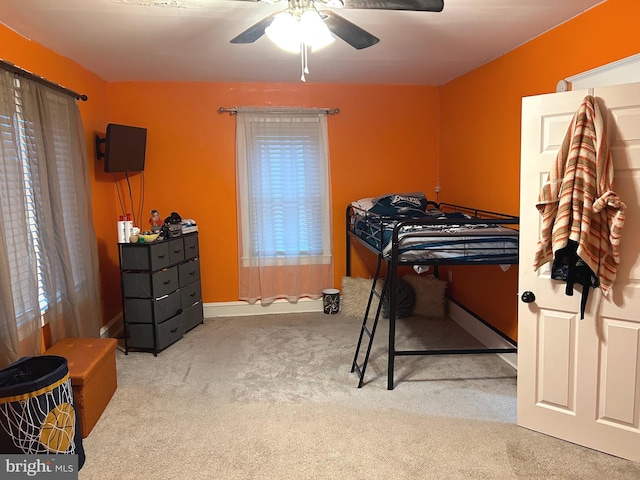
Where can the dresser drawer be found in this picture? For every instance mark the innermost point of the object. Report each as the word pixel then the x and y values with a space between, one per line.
pixel 189 272
pixel 190 245
pixel 141 256
pixel 176 251
pixel 141 335
pixel 148 310
pixel 192 316
pixel 190 294
pixel 150 285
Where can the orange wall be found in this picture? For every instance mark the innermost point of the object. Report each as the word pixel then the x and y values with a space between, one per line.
pixel 384 139
pixel 480 132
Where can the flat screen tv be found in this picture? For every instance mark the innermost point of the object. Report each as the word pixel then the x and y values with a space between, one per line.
pixel 125 148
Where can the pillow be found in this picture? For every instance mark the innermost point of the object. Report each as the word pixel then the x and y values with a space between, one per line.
pixel 355 296
pixel 363 203
pixel 430 300
pixel 405 300
pixel 400 204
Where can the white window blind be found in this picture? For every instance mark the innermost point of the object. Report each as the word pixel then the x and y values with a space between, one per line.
pixel 285 188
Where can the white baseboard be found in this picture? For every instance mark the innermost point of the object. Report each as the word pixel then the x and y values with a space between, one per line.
pixel 113 328
pixel 239 309
pixel 481 332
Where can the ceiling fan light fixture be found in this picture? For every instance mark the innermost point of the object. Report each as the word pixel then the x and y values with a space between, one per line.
pixel 289 30
pixel 284 31
pixel 297 30
pixel 315 33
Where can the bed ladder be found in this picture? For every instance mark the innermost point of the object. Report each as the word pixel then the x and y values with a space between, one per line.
pixel 365 330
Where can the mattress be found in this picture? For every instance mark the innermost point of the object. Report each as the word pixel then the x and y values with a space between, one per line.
pixel 438 237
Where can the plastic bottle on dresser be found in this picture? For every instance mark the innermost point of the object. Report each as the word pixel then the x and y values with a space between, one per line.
pixel 121 237
pixel 128 225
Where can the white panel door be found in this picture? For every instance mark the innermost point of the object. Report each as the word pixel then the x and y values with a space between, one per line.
pixel 579 380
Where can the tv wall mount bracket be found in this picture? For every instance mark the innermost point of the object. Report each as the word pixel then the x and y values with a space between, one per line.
pixel 99 142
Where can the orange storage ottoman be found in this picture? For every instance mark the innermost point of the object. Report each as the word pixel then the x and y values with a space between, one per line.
pixel 92 368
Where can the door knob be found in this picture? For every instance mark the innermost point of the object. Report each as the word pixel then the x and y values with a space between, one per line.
pixel 528 297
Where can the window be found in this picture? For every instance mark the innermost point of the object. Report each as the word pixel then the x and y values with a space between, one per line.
pixel 47 229
pixel 22 237
pixel 284 190
pixel 283 204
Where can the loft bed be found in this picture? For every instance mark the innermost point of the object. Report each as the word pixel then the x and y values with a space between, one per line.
pixel 409 230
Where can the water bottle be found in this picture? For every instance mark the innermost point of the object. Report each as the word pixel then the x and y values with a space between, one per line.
pixel 128 225
pixel 121 230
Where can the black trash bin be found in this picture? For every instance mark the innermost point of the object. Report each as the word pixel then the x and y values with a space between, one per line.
pixel 37 412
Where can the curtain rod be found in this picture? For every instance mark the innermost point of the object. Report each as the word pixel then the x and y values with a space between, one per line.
pixel 234 110
pixel 37 78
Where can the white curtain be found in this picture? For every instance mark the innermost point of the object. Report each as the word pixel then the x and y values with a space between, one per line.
pixel 48 249
pixel 284 204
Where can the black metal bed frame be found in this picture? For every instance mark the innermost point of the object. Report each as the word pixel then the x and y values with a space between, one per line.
pixel 390 279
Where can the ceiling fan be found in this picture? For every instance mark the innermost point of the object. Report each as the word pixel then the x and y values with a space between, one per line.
pixel 341 27
pixel 301 26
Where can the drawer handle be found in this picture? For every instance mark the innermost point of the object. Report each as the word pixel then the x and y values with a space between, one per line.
pixel 192 294
pixel 161 256
pixel 167 282
pixel 192 272
pixel 177 251
pixel 174 330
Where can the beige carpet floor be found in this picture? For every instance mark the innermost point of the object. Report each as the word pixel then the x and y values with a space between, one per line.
pixel 272 397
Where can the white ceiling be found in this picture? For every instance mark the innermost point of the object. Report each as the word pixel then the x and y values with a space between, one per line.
pixel 188 40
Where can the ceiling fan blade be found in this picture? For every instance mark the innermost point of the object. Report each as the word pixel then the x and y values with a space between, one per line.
pixel 347 31
pixel 413 5
pixel 255 31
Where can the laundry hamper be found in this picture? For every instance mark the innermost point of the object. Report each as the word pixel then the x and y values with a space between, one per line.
pixel 37 412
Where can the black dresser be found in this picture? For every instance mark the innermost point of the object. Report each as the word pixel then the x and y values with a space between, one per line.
pixel 161 294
